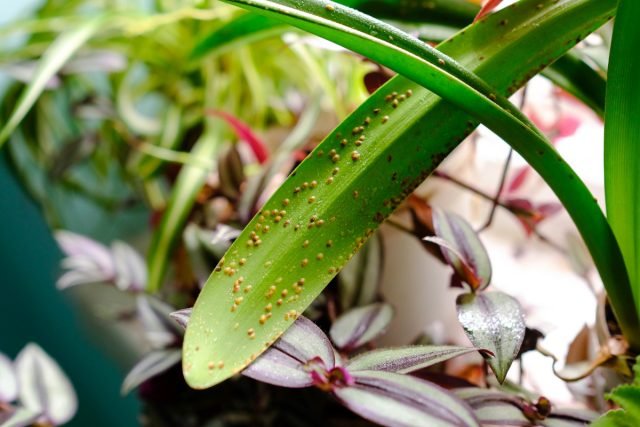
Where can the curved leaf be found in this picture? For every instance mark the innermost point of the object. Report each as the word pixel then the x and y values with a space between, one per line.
pixel 183 196
pixel 60 51
pixel 493 320
pixel 464 252
pixel 149 366
pixel 331 208
pixel 360 325
pixel 403 360
pixel 401 400
pixel 278 368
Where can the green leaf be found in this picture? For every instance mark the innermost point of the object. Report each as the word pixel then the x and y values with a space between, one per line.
pixel 628 398
pixel 246 28
pixel 189 182
pixel 60 51
pixel 622 139
pixel 330 205
pixel 493 320
pixel 452 81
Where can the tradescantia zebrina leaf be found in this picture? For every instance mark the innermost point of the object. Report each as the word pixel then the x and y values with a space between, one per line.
pixel 494 321
pixel 462 249
pixel 326 210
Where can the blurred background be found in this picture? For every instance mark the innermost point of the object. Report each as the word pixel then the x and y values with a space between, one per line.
pixel 33 310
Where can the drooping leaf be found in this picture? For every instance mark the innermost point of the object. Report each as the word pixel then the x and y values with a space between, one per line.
pixel 400 400
pixel 622 139
pixel 8 380
pixel 403 360
pixel 331 208
pixel 152 364
pixel 43 387
pixel 360 325
pixel 493 320
pixel 52 60
pixel 464 252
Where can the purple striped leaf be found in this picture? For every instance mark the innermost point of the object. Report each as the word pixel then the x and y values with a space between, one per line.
pixel 463 249
pixel 360 325
pixel 403 360
pixel 149 366
pixel 155 317
pixel 397 400
pixel 493 321
pixel 278 368
pixel 182 316
pixel 131 270
pixel 291 361
pixel 43 387
pixel 8 380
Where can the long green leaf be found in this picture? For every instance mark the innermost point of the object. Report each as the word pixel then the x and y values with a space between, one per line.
pixel 183 195
pixel 622 139
pixel 328 208
pixel 447 78
pixel 52 60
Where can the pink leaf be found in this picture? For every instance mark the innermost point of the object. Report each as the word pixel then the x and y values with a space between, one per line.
pixel 487 7
pixel 245 134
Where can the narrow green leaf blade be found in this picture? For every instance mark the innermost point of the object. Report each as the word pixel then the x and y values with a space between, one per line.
pixel 246 28
pixel 622 139
pixel 53 59
pixel 183 195
pixel 493 320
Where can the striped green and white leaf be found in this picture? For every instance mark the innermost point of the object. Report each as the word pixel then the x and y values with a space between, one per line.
pixel 494 321
pixel 330 205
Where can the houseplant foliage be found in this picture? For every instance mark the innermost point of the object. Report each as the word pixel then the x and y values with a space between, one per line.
pixel 274 244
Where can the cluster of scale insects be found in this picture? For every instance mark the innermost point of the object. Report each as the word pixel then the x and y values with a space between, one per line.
pixel 269 218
